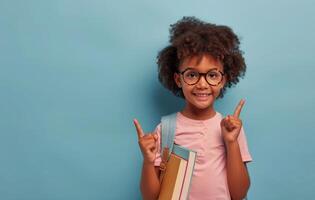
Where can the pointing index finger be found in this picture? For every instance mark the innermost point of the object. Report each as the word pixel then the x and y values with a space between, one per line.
pixel 139 129
pixel 238 108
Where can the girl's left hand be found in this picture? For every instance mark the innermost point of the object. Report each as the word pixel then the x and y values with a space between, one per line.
pixel 232 124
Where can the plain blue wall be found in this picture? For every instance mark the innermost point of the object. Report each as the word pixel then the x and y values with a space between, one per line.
pixel 75 73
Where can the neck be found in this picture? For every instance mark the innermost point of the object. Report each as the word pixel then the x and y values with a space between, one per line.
pixel 198 114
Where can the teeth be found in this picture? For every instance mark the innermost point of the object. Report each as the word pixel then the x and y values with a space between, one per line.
pixel 202 95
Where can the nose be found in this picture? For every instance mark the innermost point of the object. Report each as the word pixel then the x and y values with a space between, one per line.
pixel 202 83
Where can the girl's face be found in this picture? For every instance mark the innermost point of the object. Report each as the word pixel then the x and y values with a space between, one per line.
pixel 201 95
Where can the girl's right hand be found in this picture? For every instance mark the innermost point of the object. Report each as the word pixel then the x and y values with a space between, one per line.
pixel 147 143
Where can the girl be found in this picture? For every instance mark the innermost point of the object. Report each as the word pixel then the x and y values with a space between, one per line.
pixel 201 61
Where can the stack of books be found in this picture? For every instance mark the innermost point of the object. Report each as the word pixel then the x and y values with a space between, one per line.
pixel 179 170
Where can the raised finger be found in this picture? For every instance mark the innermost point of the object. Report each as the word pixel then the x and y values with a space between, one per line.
pixel 139 128
pixel 238 108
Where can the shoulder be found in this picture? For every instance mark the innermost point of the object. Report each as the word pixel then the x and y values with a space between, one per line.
pixel 158 128
pixel 218 114
pixel 174 114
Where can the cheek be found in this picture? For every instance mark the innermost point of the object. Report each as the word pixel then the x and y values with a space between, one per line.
pixel 186 90
pixel 217 91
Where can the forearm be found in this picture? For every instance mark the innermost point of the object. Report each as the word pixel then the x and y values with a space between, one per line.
pixel 237 174
pixel 150 185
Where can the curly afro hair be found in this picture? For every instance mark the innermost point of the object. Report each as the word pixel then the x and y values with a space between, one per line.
pixel 191 37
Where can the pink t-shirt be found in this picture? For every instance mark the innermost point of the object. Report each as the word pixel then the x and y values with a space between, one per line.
pixel 204 136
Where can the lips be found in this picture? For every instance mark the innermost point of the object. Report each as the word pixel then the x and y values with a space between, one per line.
pixel 202 96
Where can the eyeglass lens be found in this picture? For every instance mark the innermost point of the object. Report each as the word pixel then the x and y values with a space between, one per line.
pixel 213 77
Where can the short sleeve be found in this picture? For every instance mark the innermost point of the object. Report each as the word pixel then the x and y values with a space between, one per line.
pixel 246 157
pixel 158 159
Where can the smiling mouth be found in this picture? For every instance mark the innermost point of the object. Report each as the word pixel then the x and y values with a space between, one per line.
pixel 202 94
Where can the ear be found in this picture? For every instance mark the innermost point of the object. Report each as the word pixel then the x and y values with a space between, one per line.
pixel 177 80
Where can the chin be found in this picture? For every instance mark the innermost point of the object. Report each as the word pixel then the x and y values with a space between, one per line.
pixel 202 105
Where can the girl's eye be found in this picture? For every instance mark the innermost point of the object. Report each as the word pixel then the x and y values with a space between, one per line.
pixel 213 75
pixel 192 75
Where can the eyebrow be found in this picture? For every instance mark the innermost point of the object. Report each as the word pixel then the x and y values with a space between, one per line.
pixel 198 71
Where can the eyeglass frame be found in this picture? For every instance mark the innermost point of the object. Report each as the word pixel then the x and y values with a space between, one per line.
pixel 202 74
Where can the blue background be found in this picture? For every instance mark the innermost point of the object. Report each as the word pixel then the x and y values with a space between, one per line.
pixel 74 74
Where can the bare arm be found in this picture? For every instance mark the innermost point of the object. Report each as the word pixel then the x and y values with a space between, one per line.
pixel 150 185
pixel 237 174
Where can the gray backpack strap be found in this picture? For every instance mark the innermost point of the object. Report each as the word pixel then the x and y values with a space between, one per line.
pixel 168 132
